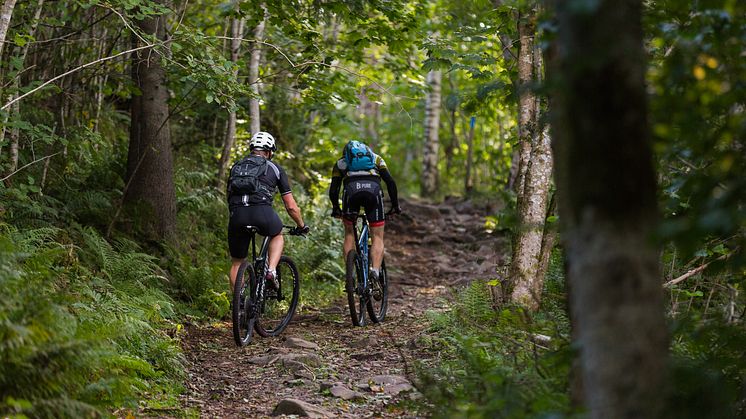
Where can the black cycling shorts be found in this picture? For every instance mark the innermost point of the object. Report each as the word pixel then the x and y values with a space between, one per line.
pixel 364 194
pixel 263 217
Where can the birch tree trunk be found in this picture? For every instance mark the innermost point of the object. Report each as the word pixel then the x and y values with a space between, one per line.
pixel 237 25
pixel 525 269
pixel 468 176
pixel 256 55
pixel 526 98
pixel 429 183
pixel 15 109
pixel 607 205
pixel 150 174
pixel 5 16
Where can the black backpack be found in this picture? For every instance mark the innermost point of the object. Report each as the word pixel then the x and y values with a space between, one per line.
pixel 244 179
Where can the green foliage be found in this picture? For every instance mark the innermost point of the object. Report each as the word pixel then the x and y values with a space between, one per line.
pixel 708 370
pixel 491 362
pixel 699 125
pixel 83 327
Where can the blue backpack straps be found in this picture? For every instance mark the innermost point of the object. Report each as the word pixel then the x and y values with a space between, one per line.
pixel 359 157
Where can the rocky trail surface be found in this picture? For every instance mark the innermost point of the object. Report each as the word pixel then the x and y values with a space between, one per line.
pixel 322 366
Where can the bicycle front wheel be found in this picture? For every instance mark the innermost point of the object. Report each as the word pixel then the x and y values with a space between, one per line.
pixel 278 307
pixel 354 288
pixel 379 299
pixel 243 318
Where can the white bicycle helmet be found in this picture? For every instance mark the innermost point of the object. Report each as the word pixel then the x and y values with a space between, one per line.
pixel 263 141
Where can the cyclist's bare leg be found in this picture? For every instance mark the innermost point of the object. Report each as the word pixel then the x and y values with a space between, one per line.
pixel 276 244
pixel 349 242
pixel 376 248
pixel 235 264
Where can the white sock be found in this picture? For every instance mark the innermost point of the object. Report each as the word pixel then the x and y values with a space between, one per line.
pixel 374 270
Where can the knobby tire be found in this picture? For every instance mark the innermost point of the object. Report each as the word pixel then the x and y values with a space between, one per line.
pixel 377 308
pixel 353 280
pixel 274 314
pixel 243 299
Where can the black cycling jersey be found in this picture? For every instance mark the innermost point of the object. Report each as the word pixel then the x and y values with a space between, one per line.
pixel 340 173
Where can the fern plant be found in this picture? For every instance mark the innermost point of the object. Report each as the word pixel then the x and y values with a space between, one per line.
pixel 83 328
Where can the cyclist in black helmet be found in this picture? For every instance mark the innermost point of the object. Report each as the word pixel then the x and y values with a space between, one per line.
pixel 251 188
pixel 361 172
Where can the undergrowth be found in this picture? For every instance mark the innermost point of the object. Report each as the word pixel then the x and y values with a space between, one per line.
pixel 498 364
pixel 504 364
pixel 85 331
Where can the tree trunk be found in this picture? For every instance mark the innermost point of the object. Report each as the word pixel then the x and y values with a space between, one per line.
pixel 5 15
pixel 256 54
pixel 525 272
pixel 549 238
pixel 369 113
pixel 15 108
pixel 429 184
pixel 607 205
pixel 150 184
pixel 237 25
pixel 526 99
pixel 468 177
pixel 452 107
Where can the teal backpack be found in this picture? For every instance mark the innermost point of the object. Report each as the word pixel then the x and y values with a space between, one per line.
pixel 359 157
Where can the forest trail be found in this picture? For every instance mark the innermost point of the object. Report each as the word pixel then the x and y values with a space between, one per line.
pixel 325 362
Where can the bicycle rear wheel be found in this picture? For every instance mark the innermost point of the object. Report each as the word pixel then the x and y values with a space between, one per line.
pixel 243 319
pixel 354 287
pixel 379 300
pixel 278 306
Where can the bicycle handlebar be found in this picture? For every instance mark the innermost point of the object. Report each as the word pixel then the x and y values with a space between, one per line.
pixel 297 231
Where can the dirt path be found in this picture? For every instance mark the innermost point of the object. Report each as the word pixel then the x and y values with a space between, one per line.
pixel 324 362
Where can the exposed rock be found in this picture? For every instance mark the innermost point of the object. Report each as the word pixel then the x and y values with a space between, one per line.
pixel 446 210
pixel 365 356
pixel 389 384
pixel 432 240
pixel 300 371
pixel 345 393
pixel 300 408
pixel 424 210
pixel 265 360
pixel 327 385
pixel 364 343
pixel 312 360
pixel 298 343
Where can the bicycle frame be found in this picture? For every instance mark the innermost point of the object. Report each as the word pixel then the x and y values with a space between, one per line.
pixel 361 242
pixel 261 262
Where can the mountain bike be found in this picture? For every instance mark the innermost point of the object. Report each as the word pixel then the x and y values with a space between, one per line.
pixel 363 293
pixel 257 306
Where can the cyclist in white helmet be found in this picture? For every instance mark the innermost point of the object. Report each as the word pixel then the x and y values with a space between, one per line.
pixel 251 187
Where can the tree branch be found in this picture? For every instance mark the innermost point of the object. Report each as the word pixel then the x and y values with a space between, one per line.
pixel 52 80
pixel 323 64
pixel 27 165
pixel 691 272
